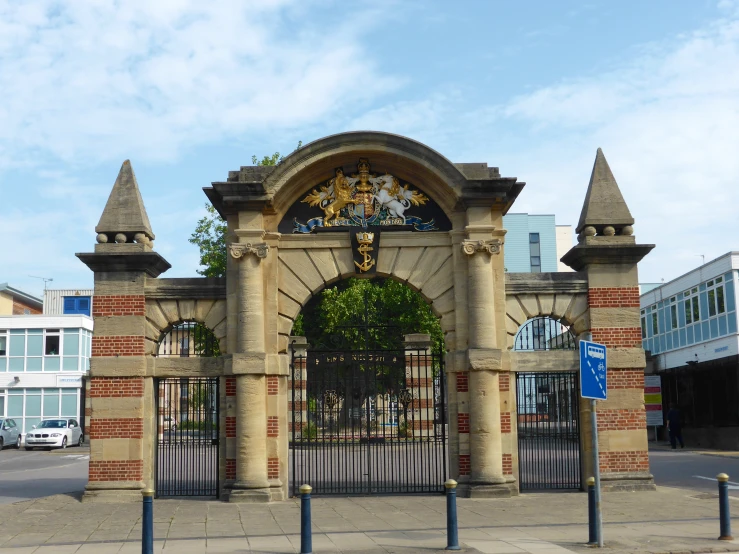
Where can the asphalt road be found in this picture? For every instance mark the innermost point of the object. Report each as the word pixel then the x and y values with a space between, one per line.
pixel 682 468
pixel 25 475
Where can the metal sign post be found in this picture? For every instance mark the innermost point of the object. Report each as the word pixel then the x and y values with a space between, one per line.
pixel 593 385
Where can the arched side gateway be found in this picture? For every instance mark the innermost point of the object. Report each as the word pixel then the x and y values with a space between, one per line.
pixel 357 204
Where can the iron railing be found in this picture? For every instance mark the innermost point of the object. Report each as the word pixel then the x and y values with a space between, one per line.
pixel 189 339
pixel 187 437
pixel 544 333
pixel 548 430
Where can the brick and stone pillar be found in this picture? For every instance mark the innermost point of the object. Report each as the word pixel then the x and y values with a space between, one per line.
pixel 419 382
pixel 122 422
pixel 484 359
pixel 297 403
pixel 250 368
pixel 607 252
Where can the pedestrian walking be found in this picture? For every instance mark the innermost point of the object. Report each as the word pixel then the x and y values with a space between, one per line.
pixel 674 427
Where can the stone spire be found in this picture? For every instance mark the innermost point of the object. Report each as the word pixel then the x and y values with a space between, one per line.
pixel 124 218
pixel 604 211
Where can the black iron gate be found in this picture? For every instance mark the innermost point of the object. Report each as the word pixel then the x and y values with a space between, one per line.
pixel 187 433
pixel 548 430
pixel 367 419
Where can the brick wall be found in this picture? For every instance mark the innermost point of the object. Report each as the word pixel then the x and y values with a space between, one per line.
pixel 116 387
pixel 230 386
pixel 116 470
pixel 464 464
pixel 107 305
pixel 625 420
pixel 273 385
pixel 625 378
pixel 120 345
pixel 119 428
pixel 19 308
pixel 273 428
pixel 230 469
pixel 230 427
pixel 463 423
pixel 621 462
pixel 273 468
pixel 505 422
pixel 615 337
pixel 507 464
pixel 613 297
pixel 505 382
pixel 463 381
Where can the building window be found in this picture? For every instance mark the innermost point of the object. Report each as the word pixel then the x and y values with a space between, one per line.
pixel 655 326
pixel 716 302
pixel 52 342
pixel 3 344
pixel 76 305
pixel 535 252
pixel 643 327
pixel 673 315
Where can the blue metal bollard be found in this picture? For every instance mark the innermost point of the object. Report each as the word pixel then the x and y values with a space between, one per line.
pixel 452 534
pixel 723 507
pixel 592 525
pixel 147 523
pixel 306 537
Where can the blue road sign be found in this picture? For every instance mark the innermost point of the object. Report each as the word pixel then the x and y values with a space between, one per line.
pixel 593 366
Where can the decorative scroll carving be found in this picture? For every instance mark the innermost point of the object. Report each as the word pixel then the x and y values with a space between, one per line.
pixel 238 250
pixel 469 247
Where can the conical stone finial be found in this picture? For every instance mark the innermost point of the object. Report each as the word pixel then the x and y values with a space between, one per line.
pixel 604 209
pixel 124 218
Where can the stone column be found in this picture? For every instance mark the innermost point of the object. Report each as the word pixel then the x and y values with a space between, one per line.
pixel 486 459
pixel 249 366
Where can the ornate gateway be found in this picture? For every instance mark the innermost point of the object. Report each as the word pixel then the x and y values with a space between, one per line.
pixel 365 199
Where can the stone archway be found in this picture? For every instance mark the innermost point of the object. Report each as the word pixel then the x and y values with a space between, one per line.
pixel 280 257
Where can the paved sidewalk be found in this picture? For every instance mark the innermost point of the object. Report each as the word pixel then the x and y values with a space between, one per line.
pixel 670 520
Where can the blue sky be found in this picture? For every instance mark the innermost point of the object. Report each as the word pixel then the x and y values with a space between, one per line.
pixel 190 90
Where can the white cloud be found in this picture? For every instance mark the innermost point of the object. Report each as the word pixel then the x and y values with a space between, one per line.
pixel 106 79
pixel 667 119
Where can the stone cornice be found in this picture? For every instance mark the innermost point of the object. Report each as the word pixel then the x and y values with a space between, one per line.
pixel 583 255
pixel 150 263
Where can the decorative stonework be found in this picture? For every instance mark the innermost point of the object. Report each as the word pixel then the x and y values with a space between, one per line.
pixel 238 250
pixel 469 247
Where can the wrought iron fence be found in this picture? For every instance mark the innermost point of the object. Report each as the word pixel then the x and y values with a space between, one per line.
pixel 187 437
pixel 548 430
pixel 544 333
pixel 187 339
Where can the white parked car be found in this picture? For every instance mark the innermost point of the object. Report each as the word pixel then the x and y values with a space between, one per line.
pixel 55 433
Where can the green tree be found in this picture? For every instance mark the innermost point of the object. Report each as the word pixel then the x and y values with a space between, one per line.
pixel 210 232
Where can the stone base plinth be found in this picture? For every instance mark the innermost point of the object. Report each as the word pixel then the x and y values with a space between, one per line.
pixel 627 482
pixel 250 496
pixel 113 492
pixel 480 490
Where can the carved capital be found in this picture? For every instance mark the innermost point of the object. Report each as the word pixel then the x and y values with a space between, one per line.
pixel 238 250
pixel 469 247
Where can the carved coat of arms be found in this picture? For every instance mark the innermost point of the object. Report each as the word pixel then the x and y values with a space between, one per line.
pixel 364 199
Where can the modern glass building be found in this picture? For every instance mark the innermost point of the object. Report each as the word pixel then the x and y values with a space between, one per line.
pixel 534 243
pixel 44 360
pixel 689 326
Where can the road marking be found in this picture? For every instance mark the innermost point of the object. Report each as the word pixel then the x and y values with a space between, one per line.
pixel 732 486
pixel 76 456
